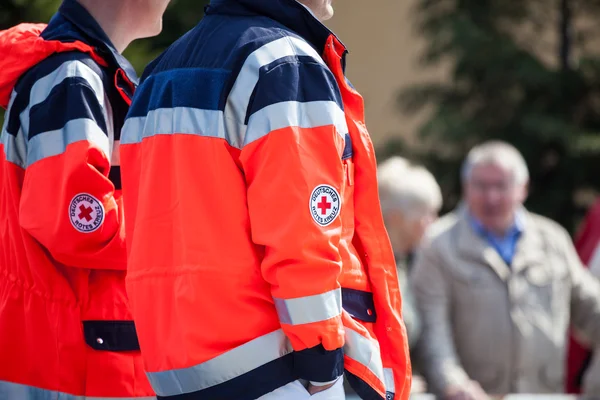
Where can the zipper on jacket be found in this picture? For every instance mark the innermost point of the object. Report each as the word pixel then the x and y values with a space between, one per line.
pixel 349 171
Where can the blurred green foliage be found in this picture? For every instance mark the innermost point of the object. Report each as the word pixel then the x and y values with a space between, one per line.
pixel 521 71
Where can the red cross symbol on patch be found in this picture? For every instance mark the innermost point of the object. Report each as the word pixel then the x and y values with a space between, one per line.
pixel 324 205
pixel 86 212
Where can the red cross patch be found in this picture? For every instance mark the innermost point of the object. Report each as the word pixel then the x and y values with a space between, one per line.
pixel 324 204
pixel 86 213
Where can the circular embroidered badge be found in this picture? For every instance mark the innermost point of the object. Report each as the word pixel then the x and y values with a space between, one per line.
pixel 324 204
pixel 86 213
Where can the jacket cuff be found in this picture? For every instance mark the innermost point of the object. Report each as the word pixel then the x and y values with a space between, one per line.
pixel 319 365
pixel 320 384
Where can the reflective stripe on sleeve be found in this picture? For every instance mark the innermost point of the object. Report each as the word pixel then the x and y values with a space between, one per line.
pixel 52 143
pixel 309 309
pixel 295 114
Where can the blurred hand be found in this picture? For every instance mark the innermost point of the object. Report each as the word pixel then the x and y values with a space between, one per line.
pixel 470 391
pixel 312 389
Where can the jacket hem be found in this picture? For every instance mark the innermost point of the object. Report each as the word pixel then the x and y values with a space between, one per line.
pixel 249 386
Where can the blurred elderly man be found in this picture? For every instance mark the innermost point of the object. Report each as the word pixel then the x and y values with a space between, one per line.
pixel 497 288
pixel 410 202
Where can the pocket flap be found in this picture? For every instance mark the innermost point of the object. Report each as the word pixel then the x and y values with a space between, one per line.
pixel 359 304
pixel 111 335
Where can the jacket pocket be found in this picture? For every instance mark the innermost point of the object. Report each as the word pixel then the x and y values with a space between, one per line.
pixel 359 304
pixel 547 287
pixel 111 335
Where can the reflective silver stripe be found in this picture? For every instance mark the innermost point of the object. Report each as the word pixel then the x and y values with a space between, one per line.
pixel 388 375
pixel 14 148
pixel 364 351
pixel 293 113
pixel 227 366
pixel 239 97
pixel 309 309
pixel 52 143
pixel 42 88
pixel 9 390
pixel 250 356
pixel 169 121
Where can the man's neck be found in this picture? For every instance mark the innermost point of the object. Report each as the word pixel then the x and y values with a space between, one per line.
pixel 308 8
pixel 108 15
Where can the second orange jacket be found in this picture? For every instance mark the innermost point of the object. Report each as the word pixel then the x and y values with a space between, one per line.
pixel 65 326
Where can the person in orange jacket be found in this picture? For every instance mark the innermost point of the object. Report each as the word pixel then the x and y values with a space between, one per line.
pixel 65 326
pixel 259 265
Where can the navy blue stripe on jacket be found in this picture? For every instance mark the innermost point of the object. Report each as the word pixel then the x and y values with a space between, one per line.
pixel 51 114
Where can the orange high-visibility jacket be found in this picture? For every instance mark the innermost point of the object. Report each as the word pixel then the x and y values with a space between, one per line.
pixel 65 327
pixel 257 250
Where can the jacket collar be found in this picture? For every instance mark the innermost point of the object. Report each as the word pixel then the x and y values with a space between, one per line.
pixel 85 28
pixel 289 13
pixel 515 229
pixel 529 253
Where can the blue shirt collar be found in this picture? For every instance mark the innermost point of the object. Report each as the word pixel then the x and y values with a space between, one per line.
pixel 290 13
pixel 88 31
pixel 515 229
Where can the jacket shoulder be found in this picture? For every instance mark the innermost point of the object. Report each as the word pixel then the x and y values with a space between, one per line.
pixel 546 225
pixel 443 229
pixel 51 72
pixel 267 40
pixel 226 42
pixel 555 233
pixel 53 63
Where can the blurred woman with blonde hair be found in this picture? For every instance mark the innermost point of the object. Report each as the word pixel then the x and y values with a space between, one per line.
pixel 410 201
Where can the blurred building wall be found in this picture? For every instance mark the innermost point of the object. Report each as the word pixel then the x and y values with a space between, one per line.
pixel 385 50
pixel 384 57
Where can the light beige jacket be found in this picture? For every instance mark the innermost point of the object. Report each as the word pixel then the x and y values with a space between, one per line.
pixel 505 327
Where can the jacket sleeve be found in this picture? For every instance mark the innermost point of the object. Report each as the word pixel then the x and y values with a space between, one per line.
pixel 68 202
pixel 436 351
pixel 295 177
